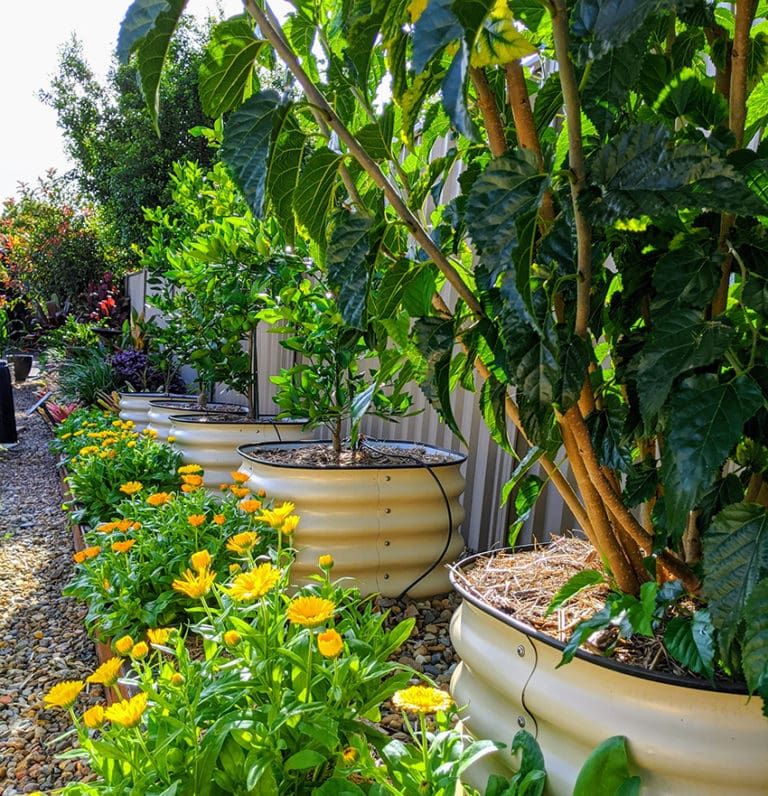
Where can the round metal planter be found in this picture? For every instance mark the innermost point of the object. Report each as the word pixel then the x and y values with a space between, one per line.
pixel 214 445
pixel 135 406
pixel 683 738
pixel 160 412
pixel 390 528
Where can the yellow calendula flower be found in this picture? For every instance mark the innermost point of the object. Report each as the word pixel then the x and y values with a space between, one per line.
pixel 127 712
pixel 242 543
pixel 201 560
pixel 79 433
pixel 192 480
pixel 239 491
pixel 234 569
pixel 108 673
pixel 171 439
pixel 64 695
pixel 255 583
pixel 284 509
pixel 325 562
pixel 65 436
pixel 310 611
pixel 330 643
pixel 150 432
pixel 86 553
pixel 421 699
pixel 94 717
pixel 159 498
pixel 89 450
pixel 186 469
pixel 139 651
pixel 238 477
pixel 132 487
pixel 177 678
pixel 131 444
pixel 231 638
pixel 219 519
pixel 196 520
pixel 289 524
pixel 195 585
pixel 124 645
pixel 250 506
pixel 269 516
pixel 124 546
pixel 159 635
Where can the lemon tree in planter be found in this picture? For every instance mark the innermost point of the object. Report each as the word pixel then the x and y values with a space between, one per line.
pixel 607 245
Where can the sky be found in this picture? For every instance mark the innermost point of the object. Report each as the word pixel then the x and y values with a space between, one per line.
pixel 30 36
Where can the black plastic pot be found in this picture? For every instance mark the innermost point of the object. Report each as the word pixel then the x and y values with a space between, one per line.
pixel 22 364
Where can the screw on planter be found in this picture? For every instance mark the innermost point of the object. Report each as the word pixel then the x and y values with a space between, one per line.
pixel 521 721
pixel 521 650
pixel 8 435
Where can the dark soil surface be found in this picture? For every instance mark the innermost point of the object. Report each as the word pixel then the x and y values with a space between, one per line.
pixel 322 455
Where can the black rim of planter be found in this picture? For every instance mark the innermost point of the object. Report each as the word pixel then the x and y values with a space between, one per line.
pixel 721 686
pixel 264 420
pixel 251 451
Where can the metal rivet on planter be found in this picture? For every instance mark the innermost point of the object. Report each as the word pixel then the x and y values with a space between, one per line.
pixel 386 576
pixel 521 721
pixel 387 477
pixel 387 543
pixel 521 650
pixel 387 511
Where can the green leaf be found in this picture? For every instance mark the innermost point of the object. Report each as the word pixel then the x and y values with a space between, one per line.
pixel 348 272
pixel 735 560
pixel 754 656
pixel 286 157
pixel 435 29
pixel 529 489
pixel 687 96
pixel 680 340
pixel 606 769
pixel 641 483
pixel 575 585
pixel 245 148
pixel 454 93
pixel 498 41
pixel 606 430
pixel 690 640
pixel 549 100
pixel 315 191
pixel 152 52
pixel 525 464
pixel 434 339
pixel 706 420
pixel 531 757
pixel 306 758
pixel 139 20
pixel 688 274
pixel 227 67
pixel 493 396
pixel 338 787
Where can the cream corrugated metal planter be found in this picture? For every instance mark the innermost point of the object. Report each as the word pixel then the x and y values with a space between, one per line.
pixel 212 444
pixel 135 406
pixel 160 412
pixel 384 526
pixel 683 739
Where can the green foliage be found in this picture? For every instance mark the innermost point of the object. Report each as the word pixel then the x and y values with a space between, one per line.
pixel 86 374
pixel 606 771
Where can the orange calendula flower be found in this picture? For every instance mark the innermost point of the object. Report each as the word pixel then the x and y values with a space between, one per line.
pixel 159 498
pixel 255 583
pixel 195 585
pixel 240 491
pixel 186 469
pixel 159 635
pixel 249 506
pixel 330 643
pixel 94 717
pixel 238 477
pixel 231 638
pixel 188 489
pixel 192 480
pixel 196 520
pixel 124 546
pixel 106 527
pixel 219 519
pixel 124 645
pixel 124 525
pixel 139 650
pixel 108 673
pixel 86 553
pixel 289 524
pixel 242 543
pixel 310 611
pixel 201 560
pixel 132 487
pixel 421 699
pixel 223 487
pixel 128 712
pixel 64 695
pixel 262 493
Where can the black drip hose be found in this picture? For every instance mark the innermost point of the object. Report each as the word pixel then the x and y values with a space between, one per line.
pixel 447 502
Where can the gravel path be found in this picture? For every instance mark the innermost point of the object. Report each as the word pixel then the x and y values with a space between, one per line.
pixel 42 640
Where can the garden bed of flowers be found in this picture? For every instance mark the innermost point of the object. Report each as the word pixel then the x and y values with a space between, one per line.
pixel 220 677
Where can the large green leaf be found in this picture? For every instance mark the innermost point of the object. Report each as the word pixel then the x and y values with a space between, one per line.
pixel 735 561
pixel 687 96
pixel 688 275
pixel 434 29
pixel 139 20
pixel 507 193
pixel 706 419
pixel 523 466
pixel 573 586
pixel 434 339
pixel 606 429
pixel 527 495
pixel 314 192
pixel 227 67
pixel 606 771
pixel 641 173
pixel 493 396
pixel 690 640
pixel 245 149
pixel 680 340
pixel 454 93
pixel 754 656
pixel 348 272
